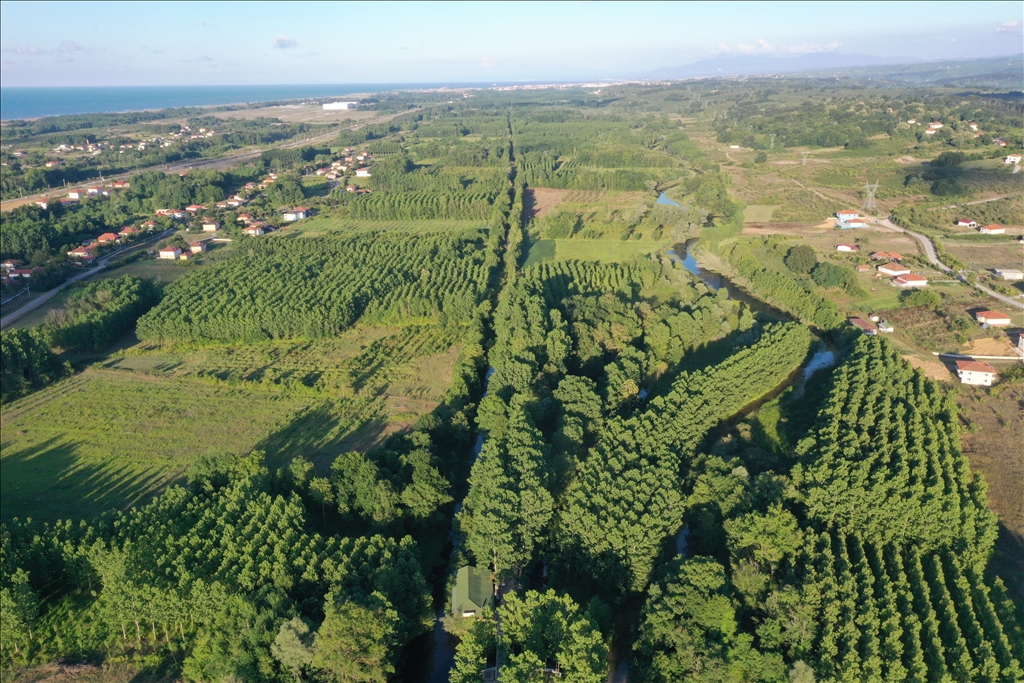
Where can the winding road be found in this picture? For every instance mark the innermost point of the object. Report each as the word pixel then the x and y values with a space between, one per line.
pixel 933 258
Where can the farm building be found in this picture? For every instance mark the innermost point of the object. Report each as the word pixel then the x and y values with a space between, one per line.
pixel 886 327
pixel 211 226
pixel 992 229
pixel 1010 274
pixel 296 214
pixel 975 372
pixel 966 223
pixel 863 268
pixel 197 247
pixel 253 230
pixel 473 592
pixel 911 280
pixel 992 318
pixel 847 215
pixel 847 247
pixel 868 327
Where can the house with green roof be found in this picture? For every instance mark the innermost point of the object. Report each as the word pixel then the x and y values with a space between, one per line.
pixel 473 591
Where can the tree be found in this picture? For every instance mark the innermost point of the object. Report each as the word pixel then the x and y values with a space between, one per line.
pixel 801 259
pixel 293 646
pixel 321 491
pixel 353 644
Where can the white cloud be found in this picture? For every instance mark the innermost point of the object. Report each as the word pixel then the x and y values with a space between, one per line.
pixel 1010 27
pixel 65 47
pixel 284 42
pixel 760 47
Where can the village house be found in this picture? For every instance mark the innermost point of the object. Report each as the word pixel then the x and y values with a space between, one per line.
pixel 934 125
pixel 211 226
pixel 362 173
pixel 966 223
pixel 886 256
pixel 176 214
pixel 193 208
pixel 866 326
pixel 10 264
pixel 296 214
pixel 120 185
pixel 244 218
pixel 53 163
pixel 42 204
pixel 931 131
pixel 992 229
pixel 18 273
pixel 893 269
pixel 847 247
pixel 973 125
pixel 863 268
pixel 350 188
pixel 999 142
pixel 197 247
pixel 253 230
pixel 75 194
pixel 1012 159
pixel 81 253
pixel 906 281
pixel 992 318
pixel 149 225
pixel 975 372
pixel 1010 274
pixel 885 326
pixel 107 238
pixel 170 253
pixel 128 232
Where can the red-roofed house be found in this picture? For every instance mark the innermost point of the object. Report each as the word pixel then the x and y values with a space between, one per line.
pixel 253 230
pixel 197 247
pixel 128 232
pixel 992 318
pixel 192 208
pixel 170 253
pixel 296 214
pixel 909 281
pixel 975 372
pixel 867 326
pixel 863 268
pixel 893 269
pixel 83 253
pixel 992 229
pixel 149 225
pixel 244 218
pixel 107 238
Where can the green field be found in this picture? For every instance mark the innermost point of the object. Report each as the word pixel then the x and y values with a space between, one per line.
pixel 604 251
pixel 759 213
pixel 122 430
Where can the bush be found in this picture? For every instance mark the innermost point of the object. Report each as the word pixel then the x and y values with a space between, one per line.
pixel 920 297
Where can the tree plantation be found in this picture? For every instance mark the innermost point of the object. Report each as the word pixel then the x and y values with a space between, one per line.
pixel 538 390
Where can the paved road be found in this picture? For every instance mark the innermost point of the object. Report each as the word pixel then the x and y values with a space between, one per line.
pixel 98 268
pixel 219 163
pixel 929 248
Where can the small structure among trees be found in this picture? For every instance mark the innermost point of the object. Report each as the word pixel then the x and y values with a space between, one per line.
pixel 473 592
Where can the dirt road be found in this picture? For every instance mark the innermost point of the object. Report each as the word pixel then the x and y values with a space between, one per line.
pixel 98 268
pixel 219 164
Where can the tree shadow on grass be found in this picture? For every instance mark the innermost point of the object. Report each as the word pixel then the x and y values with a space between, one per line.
pixel 50 480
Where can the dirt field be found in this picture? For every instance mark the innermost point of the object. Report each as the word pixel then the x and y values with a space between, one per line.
pixel 989 347
pixel 542 201
pixel 991 441
pixel 934 369
pixel 987 255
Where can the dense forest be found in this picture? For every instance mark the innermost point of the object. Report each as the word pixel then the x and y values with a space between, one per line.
pixel 639 464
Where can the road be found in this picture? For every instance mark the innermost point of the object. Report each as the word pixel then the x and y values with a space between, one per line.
pixel 87 273
pixel 981 201
pixel 219 163
pixel 929 250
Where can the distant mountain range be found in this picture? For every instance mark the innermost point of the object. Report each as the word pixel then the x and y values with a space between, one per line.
pixel 1004 71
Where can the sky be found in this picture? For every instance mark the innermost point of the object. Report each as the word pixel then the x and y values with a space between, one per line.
pixel 211 43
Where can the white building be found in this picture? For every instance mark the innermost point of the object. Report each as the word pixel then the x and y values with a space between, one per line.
pixel 905 281
pixel 362 173
pixel 170 253
pixel 893 269
pixel 1010 274
pixel 1012 159
pixel 335 106
pixel 847 247
pixel 975 372
pixel 992 229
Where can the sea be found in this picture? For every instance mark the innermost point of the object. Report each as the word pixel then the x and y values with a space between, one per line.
pixel 32 103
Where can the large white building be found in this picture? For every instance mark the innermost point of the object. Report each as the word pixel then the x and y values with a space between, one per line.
pixel 975 372
pixel 340 105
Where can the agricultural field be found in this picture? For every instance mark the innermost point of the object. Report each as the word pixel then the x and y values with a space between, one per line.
pixel 121 431
pixel 986 256
pixel 602 251
pixel 318 226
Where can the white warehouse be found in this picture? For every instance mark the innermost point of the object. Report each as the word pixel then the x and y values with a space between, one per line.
pixel 341 105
